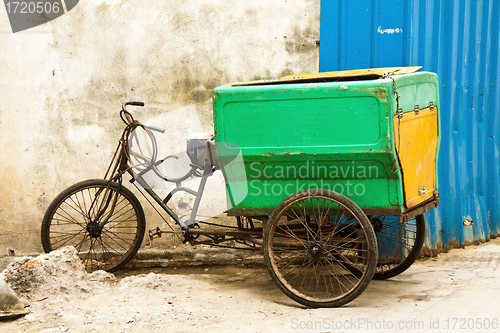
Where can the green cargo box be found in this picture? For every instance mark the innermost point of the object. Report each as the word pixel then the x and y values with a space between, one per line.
pixel 344 135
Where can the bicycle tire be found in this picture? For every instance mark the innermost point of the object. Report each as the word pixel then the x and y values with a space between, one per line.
pixel 307 240
pixel 72 220
pixel 399 244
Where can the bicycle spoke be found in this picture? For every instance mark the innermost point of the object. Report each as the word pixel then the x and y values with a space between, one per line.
pixel 336 257
pixel 76 221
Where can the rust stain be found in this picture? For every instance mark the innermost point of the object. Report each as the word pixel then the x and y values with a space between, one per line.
pixel 25 266
pixel 268 155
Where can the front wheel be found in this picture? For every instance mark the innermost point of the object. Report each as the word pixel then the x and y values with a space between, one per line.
pixel 103 220
pixel 320 248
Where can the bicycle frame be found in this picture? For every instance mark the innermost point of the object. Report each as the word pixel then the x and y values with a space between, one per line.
pixel 121 164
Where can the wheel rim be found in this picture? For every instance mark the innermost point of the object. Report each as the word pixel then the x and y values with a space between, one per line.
pixel 397 242
pixel 315 242
pixel 76 222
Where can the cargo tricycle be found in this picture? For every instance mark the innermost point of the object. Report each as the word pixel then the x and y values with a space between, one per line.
pixel 329 174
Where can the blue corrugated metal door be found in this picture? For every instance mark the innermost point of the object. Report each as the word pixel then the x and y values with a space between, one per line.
pixel 459 40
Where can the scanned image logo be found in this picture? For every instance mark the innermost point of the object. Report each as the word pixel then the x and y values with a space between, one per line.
pixel 28 14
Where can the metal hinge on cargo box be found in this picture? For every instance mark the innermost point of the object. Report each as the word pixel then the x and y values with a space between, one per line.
pixel 399 113
pixel 416 109
pixel 431 106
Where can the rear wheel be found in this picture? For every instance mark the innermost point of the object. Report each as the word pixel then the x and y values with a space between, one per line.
pixel 399 243
pixel 313 241
pixel 103 220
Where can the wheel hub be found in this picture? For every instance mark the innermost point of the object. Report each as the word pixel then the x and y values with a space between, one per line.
pixel 94 229
pixel 316 250
pixel 377 224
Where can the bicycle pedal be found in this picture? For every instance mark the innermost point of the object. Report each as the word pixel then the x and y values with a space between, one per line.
pixel 154 233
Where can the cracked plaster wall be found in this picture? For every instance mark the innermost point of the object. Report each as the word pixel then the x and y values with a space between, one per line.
pixel 62 85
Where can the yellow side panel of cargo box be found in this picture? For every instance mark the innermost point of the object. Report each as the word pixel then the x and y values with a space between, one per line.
pixel 416 137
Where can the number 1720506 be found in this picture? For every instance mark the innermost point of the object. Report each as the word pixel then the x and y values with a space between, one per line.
pixel 471 323
pixel 32 7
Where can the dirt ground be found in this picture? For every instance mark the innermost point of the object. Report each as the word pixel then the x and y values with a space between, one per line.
pixel 457 291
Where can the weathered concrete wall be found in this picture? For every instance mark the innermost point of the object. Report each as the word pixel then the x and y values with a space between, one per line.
pixel 62 85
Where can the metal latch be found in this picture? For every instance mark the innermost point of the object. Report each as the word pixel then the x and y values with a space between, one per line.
pixel 422 191
pixel 416 109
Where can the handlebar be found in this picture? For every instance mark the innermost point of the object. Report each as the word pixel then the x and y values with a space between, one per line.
pixel 141 104
pixel 154 128
pixel 128 119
